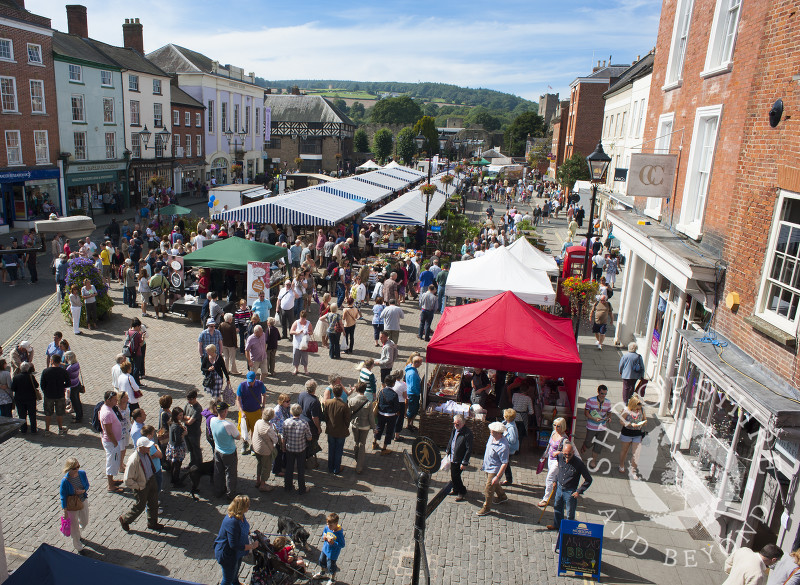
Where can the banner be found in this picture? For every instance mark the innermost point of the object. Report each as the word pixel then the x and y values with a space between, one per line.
pixel 257 280
pixel 621 175
pixel 652 175
pixel 267 123
pixel 176 275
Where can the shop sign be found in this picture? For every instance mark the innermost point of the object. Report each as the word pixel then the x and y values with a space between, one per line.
pixel 621 175
pixel 580 548
pixel 654 343
pixel 651 175
pixel 93 168
pixel 90 178
pixel 28 175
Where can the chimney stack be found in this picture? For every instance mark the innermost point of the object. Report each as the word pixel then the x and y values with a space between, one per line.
pixel 76 21
pixel 132 37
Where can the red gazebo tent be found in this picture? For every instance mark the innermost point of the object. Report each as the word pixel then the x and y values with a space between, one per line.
pixel 505 333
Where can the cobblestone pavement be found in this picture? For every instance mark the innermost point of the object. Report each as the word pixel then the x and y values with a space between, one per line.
pixel 376 508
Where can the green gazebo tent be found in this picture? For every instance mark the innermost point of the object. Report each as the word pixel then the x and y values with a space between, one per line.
pixel 173 209
pixel 233 254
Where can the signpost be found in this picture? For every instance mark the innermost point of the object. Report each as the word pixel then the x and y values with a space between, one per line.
pixel 580 548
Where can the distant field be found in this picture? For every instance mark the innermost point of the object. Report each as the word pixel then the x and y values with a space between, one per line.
pixel 353 95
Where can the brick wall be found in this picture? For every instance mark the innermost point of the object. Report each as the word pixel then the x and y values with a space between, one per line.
pixel 182 130
pixel 25 121
pixel 587 127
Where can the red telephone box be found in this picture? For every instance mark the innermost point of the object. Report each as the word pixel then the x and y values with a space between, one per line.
pixel 571 266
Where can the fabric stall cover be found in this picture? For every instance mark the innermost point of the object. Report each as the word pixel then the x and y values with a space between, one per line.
pixel 504 333
pixel 496 272
pixel 408 209
pixel 309 206
pixel 370 165
pixel 532 257
pixel 52 566
pixel 233 254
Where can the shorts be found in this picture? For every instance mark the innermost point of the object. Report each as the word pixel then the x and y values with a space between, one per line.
pixel 57 405
pixel 160 300
pixel 597 328
pixel 106 270
pixel 112 457
pixel 594 440
pixel 627 439
pixel 413 405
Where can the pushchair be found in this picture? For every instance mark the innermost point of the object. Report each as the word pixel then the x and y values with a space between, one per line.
pixel 269 569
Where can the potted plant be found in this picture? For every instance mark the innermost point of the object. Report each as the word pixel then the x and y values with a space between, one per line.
pixel 78 270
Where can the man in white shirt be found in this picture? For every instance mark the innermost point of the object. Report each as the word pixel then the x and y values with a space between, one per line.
pixel 199 240
pixel 748 567
pixel 391 317
pixel 286 300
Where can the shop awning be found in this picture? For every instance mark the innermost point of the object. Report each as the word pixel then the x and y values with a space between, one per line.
pixel 234 254
pixel 532 257
pixel 497 333
pixel 351 188
pixel 408 209
pixel 381 179
pixel 311 206
pixel 496 272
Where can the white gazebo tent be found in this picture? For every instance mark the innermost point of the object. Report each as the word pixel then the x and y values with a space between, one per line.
pixel 408 209
pixel 497 272
pixel 370 165
pixel 532 257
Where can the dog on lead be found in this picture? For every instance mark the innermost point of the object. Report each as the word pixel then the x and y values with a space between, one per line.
pixel 297 533
pixel 196 472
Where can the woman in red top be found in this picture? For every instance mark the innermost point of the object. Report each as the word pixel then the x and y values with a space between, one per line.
pixel 202 282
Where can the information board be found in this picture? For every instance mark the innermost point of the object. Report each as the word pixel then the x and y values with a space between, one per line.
pixel 580 549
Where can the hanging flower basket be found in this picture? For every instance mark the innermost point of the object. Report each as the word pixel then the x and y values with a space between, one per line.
pixel 581 294
pixel 428 189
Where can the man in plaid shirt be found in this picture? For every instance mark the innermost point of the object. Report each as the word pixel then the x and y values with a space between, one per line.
pixel 296 435
pixel 209 336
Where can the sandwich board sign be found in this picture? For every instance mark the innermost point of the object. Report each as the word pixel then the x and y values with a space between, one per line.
pixel 580 548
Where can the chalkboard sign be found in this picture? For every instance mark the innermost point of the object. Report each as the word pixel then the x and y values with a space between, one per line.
pixel 580 549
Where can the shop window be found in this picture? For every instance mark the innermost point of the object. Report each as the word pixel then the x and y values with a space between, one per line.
pixel 41 198
pixel 698 172
pixel 199 145
pixel 75 73
pixel 13 148
pixel 106 79
pixel 136 145
pixel 80 145
pixel 780 281
pixel 35 54
pixel 158 120
pixel 6 50
pixel 133 82
pixel 187 118
pixel 111 145
pixel 41 147
pixel 719 56
pixel 156 87
pixel 135 119
pixel 108 110
pixel 37 96
pixel 8 94
pixel 680 38
pixel 198 120
pixel 78 112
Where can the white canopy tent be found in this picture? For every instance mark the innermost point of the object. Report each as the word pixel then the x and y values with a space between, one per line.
pixel 311 206
pixel 398 170
pixel 497 272
pixel 532 257
pixel 408 209
pixel 384 180
pixel 362 191
pixel 370 165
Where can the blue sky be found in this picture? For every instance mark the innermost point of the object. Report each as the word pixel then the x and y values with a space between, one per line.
pixel 520 47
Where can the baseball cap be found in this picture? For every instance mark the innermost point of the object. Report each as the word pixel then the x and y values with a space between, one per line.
pixel 144 442
pixel 251 376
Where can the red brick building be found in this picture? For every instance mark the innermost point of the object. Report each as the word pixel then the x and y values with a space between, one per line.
pixel 188 130
pixel 30 179
pixel 712 290
pixel 559 137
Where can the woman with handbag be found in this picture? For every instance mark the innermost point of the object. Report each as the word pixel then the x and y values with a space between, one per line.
pixel 335 330
pixel 265 441
pixel 125 422
pixel 300 332
pixel 321 329
pixel 127 384
pixel 557 438
pixel 213 368
pixel 633 420
pixel 26 392
pixel 76 387
pixel 282 414
pixel 176 448
pixel 350 316
pixel 74 492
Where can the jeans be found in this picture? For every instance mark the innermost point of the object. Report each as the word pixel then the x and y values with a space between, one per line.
pixel 194 448
pixel 385 423
pixel 340 294
pixel 335 451
pixel 129 296
pixel 230 571
pixel 242 338
pixel 225 477
pixel 328 564
pixel 350 337
pixel 333 345
pixel 298 306
pixel 425 320
pixel 376 330
pixel 292 460
pixel 564 506
pixel 440 299
pixel 138 366
pixel 77 407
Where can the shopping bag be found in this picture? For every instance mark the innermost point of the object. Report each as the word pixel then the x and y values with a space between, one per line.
pixel 243 428
pixel 311 345
pixel 65 526
pixel 304 343
pixel 228 395
pixel 542 463
pixel 345 345
pixel 446 462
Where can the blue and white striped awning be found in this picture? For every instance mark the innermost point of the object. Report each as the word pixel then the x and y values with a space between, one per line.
pixel 385 180
pixel 311 206
pixel 351 188
pixel 402 172
pixel 408 209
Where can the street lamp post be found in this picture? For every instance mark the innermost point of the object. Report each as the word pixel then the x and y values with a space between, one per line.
pixel 164 135
pixel 234 139
pixel 598 163
pixel 421 141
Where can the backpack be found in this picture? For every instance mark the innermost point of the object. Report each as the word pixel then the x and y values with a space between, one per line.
pixel 126 345
pixel 96 425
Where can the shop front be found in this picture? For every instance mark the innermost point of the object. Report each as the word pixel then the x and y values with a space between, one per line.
pixel 183 174
pixel 141 172
pixel 735 444
pixel 27 195
pixel 218 174
pixel 94 189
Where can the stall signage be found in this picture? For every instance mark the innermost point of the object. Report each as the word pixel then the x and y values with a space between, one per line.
pixel 257 280
pixel 176 275
pixel 426 454
pixel 580 548
pixel 435 228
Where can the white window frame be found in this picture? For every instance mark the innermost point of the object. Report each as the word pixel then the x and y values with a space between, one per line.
pixel 176 144
pixel 110 83
pixel 210 128
pixel 16 100
pixel 187 119
pixel 198 119
pixel 640 122
pixel 187 147
pixel 137 119
pixel 133 82
pixel 662 145
pixel 176 118
pixel 156 87
pixel 632 130
pixel 36 48
pixel 247 119
pixel 136 145
pixel 77 70
pixel 79 98
pixel 42 151
pixel 772 317
pixel 257 125
pixel 10 58
pixel 722 40
pixel 198 139
pixel 108 100
pixel 693 203
pixel 38 83
pixel 158 115
pixel 677 48
pixel 111 147
pixel 75 135
pixel 17 161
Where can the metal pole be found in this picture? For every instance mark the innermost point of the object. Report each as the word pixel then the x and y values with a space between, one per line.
pixel 423 480
pixel 427 206
pixel 589 234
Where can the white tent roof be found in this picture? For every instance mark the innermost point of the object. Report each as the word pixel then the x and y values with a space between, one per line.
pixel 311 206
pixel 370 165
pixel 395 167
pixel 383 179
pixel 351 188
pixel 532 257
pixel 408 209
pixel 496 272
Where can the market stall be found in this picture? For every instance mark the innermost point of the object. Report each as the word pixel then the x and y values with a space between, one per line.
pixel 532 257
pixel 496 272
pixel 504 334
pixel 408 209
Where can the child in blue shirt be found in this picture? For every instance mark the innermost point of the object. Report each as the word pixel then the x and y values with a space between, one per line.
pixel 332 545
